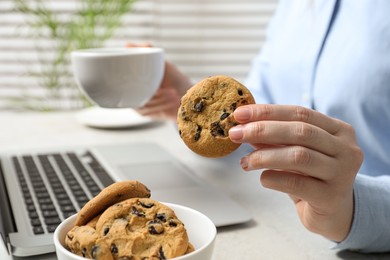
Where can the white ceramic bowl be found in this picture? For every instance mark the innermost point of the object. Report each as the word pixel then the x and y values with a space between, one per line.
pixel 119 77
pixel 201 231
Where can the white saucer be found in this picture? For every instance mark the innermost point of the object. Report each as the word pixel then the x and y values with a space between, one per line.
pixel 111 117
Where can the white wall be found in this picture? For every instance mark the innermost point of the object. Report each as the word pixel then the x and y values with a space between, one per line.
pixel 203 37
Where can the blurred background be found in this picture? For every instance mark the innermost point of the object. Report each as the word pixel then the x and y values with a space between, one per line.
pixel 202 37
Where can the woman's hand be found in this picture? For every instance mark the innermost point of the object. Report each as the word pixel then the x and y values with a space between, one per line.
pixel 309 156
pixel 166 101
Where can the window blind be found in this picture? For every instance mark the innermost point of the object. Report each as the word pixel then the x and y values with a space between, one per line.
pixel 202 37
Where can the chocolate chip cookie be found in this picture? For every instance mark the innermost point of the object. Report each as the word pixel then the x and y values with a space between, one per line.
pixel 205 115
pixel 137 228
pixel 110 195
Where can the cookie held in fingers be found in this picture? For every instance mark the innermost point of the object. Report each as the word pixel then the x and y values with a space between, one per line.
pixel 110 195
pixel 205 115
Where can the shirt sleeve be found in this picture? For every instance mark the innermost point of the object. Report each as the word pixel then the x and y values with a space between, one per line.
pixel 370 231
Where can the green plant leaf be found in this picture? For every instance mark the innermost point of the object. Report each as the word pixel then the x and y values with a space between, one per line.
pixel 88 27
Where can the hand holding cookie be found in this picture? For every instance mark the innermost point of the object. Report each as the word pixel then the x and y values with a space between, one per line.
pixel 308 155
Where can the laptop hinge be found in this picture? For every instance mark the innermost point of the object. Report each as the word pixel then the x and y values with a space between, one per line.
pixel 7 224
pixel 4 245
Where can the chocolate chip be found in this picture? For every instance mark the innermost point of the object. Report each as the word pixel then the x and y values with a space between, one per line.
pixel 155 227
pixel 106 230
pixel 114 249
pixel 172 223
pixel 244 102
pixel 197 134
pixel 223 85
pixel 224 115
pixel 149 194
pixel 239 91
pixel 94 251
pixel 152 230
pixel 233 106
pixel 136 212
pixel 84 251
pixel 161 254
pixel 161 216
pixel 148 206
pixel 184 116
pixel 216 129
pixel 199 106
pixel 183 113
pixel 70 237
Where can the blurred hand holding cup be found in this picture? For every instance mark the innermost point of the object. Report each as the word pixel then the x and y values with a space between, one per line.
pixel 119 77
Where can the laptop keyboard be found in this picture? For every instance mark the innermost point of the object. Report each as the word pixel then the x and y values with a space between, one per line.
pixel 56 185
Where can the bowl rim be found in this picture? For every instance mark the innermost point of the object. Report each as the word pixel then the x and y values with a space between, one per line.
pixel 210 241
pixel 58 244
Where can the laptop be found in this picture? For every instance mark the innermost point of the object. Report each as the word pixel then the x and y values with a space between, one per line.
pixel 40 188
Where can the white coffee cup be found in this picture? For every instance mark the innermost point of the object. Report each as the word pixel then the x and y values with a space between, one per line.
pixel 119 77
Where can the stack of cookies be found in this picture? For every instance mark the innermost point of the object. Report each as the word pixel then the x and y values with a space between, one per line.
pixel 122 222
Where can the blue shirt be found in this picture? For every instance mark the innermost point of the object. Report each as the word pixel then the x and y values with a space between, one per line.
pixel 334 56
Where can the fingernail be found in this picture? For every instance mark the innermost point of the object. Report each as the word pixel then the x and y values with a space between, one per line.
pixel 242 114
pixel 244 163
pixel 236 133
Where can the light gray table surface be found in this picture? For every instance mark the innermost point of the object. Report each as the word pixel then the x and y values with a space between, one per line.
pixel 275 231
